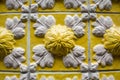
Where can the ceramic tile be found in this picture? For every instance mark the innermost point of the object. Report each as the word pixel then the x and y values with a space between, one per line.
pixel 22 43
pixel 58 64
pixel 99 40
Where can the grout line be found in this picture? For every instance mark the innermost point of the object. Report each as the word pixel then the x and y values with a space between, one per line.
pixel 89 42
pixel 28 46
pixel 28 41
pixel 60 12
pixel 57 71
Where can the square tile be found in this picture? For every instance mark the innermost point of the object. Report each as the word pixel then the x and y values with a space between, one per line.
pixel 20 42
pixel 96 40
pixel 58 60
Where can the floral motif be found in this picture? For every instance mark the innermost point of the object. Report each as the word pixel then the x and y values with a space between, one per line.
pixel 11 78
pixel 42 57
pixel 104 4
pixel 47 78
pixel 73 3
pixel 16 26
pixel 90 76
pixel 101 25
pixel 111 77
pixel 14 4
pixel 15 58
pixel 43 24
pixel 45 3
pixel 102 56
pixel 75 22
pixel 75 58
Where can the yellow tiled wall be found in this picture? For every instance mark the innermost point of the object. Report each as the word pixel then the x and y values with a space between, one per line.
pixel 88 41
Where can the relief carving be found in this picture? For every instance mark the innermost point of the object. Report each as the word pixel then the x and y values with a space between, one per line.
pixel 16 26
pixel 15 59
pixel 103 4
pixel 102 56
pixel 45 3
pixel 14 4
pixel 59 41
pixel 12 56
pixel 101 25
pixel 73 3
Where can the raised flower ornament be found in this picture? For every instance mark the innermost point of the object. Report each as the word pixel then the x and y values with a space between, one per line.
pixel 59 40
pixel 12 56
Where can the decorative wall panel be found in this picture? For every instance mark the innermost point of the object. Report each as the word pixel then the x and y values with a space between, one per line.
pixel 59 39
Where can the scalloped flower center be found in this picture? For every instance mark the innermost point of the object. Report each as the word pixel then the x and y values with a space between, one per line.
pixel 59 40
pixel 6 42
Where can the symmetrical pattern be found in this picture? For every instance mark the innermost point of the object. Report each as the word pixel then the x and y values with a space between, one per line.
pixel 44 56
pixel 59 39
